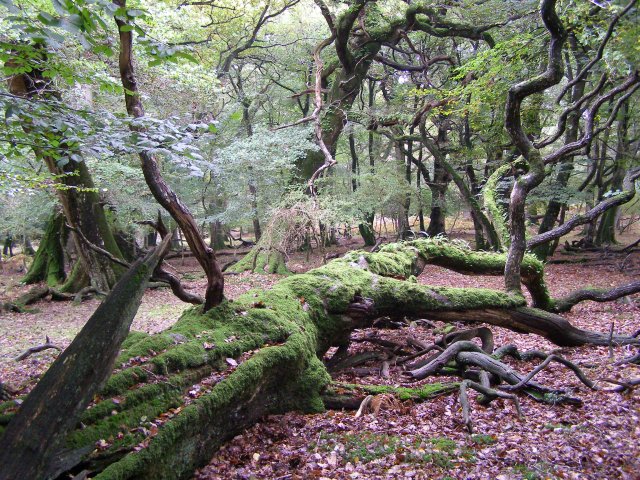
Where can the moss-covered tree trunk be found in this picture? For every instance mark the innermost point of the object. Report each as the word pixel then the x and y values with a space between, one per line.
pixel 48 263
pixel 175 397
pixel 29 445
pixel 367 232
pixel 81 204
pixel 438 189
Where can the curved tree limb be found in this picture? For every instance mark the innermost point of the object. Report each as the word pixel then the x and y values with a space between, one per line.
pixel 552 358
pixel 565 304
pixel 161 191
pixel 621 198
pixel 96 248
pixel 513 123
pixel 38 348
pixel 603 43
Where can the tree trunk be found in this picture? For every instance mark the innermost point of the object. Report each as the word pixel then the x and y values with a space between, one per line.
pixel 36 434
pixel 48 264
pixel 367 232
pixel 27 247
pixel 438 189
pixel 80 202
pixel 217 236
pixel 151 239
pixel 161 191
pixel 607 226
pixel 566 167
pixel 365 228
pixel 419 189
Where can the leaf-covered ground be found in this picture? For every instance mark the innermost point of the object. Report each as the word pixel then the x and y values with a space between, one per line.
pixel 599 440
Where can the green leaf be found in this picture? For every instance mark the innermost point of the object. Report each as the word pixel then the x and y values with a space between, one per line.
pixel 133 12
pixel 187 56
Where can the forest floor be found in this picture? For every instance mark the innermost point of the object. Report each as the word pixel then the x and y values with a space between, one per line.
pixel 599 440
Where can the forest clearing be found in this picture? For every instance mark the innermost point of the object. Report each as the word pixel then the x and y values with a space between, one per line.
pixel 412 439
pixel 319 239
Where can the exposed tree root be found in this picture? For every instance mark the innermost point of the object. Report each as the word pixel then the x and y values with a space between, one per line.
pixel 41 292
pixel 465 354
pixel 632 359
pixel 353 361
pixel 622 387
pixel 483 333
pixel 488 393
pixel 552 358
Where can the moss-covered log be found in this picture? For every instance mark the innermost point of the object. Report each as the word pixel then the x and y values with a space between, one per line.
pixel 176 396
pixel 260 260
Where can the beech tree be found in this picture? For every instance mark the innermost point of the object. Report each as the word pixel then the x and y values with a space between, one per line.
pixel 81 204
pixel 262 353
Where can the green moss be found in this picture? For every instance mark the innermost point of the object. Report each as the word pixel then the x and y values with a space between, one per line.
pixel 261 260
pixel 122 422
pixel 490 193
pixel 142 346
pixel 285 329
pixel 48 263
pixel 484 439
pixel 133 338
pixel 311 382
pixel 121 381
pixel 142 394
pixel 424 392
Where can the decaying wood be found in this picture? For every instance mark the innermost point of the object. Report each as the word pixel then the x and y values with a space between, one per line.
pixel 283 332
pixel 38 348
pixel 489 394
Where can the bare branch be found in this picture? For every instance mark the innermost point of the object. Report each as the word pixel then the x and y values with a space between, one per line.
pixel 39 348
pixel 96 248
pixel 565 304
pixel 624 197
pixel 630 86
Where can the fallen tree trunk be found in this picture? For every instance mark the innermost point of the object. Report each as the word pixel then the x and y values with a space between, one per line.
pixel 175 397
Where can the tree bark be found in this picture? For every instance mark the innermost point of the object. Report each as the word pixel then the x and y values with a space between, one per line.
pixel 48 263
pixel 80 201
pixel 35 435
pixel 532 173
pixel 438 187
